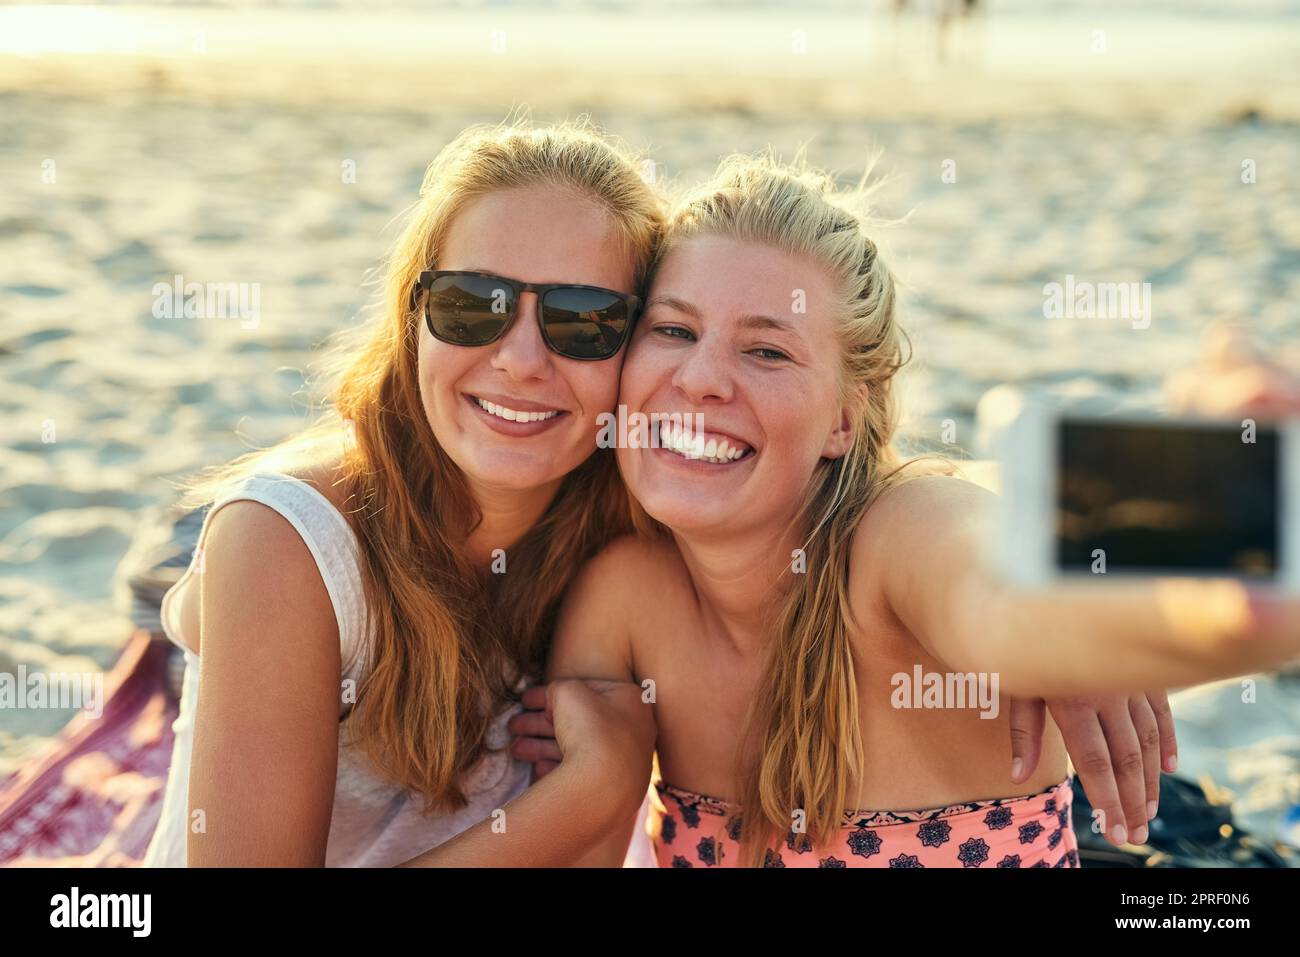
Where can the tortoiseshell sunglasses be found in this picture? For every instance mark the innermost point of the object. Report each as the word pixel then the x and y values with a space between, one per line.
pixel 475 309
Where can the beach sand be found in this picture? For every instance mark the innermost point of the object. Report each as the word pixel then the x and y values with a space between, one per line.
pixel 225 166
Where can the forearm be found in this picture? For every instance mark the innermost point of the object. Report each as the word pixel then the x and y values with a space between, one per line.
pixel 612 850
pixel 1121 638
pixel 554 823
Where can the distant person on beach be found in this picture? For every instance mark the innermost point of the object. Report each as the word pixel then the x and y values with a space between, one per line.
pixel 945 13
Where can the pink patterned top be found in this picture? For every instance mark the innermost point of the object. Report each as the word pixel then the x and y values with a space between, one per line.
pixel 690 830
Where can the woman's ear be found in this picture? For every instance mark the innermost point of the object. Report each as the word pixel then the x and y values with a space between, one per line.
pixel 841 438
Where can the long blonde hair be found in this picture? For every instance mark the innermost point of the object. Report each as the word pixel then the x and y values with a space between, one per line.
pixel 448 639
pixel 804 719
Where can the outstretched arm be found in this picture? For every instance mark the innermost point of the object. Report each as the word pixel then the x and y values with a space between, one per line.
pixel 920 551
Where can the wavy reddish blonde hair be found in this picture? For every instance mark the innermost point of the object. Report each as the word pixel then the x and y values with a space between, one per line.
pixel 449 641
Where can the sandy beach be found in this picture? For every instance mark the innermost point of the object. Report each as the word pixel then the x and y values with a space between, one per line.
pixel 124 169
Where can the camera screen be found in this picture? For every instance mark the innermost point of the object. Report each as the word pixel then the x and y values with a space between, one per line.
pixel 1175 498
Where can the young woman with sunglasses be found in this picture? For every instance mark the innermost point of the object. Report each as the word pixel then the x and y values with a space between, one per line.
pixel 367 599
pixel 789 567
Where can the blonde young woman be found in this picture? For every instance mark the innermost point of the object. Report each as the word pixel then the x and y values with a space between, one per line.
pixel 779 739
pixel 351 655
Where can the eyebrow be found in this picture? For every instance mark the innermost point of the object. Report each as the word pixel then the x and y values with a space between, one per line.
pixel 747 322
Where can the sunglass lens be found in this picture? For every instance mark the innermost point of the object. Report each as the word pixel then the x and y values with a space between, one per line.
pixel 584 323
pixel 469 310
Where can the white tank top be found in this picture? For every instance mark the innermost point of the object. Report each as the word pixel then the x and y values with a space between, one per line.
pixel 375 822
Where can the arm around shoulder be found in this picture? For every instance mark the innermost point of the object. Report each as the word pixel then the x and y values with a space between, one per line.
pixel 580 814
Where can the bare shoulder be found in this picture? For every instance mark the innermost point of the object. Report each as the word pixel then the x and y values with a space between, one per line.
pixel 251 551
pixel 253 555
pixel 921 502
pixel 593 635
pixel 909 524
pixel 630 556
pixel 918 559
pixel 323 473
pixel 262 531
pixel 624 574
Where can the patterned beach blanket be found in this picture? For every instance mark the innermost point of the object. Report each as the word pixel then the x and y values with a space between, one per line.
pixel 93 798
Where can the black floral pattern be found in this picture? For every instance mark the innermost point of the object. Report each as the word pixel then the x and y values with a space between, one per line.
pixel 733 827
pixel 1011 860
pixel 772 858
pixel 864 843
pixel 708 851
pixel 691 815
pixel 832 862
pixel 1029 832
pixel 668 830
pixel 679 861
pixel 906 860
pixel 973 852
pixel 799 843
pixel 998 818
pixel 934 833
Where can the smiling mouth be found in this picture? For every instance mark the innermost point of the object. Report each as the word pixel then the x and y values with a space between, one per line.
pixel 702 446
pixel 514 415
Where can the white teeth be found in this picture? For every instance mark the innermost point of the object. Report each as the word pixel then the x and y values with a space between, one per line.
pixel 693 446
pixel 500 411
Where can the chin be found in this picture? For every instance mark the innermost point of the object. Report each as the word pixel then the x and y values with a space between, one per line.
pixel 685 513
pixel 514 470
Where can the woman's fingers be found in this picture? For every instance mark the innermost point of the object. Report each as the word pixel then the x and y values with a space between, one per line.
pixel 534 724
pixel 1159 701
pixel 1089 753
pixel 1127 758
pixel 534 750
pixel 1028 716
pixel 1148 734
pixel 534 698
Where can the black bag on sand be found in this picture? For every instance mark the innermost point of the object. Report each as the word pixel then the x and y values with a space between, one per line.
pixel 1189 831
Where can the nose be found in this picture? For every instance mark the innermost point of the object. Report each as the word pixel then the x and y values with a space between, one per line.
pixel 704 374
pixel 521 353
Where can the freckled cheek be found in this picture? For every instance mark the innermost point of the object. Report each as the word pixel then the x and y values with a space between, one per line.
pixel 788 431
pixel 636 379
